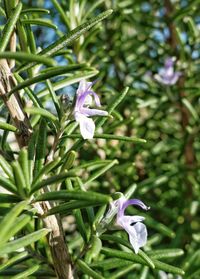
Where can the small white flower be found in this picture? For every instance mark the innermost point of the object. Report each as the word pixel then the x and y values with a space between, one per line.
pixel 82 111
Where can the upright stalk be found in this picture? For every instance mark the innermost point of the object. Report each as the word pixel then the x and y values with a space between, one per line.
pixel 189 153
pixel 56 239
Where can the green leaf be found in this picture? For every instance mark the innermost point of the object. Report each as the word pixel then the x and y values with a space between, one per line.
pixel 23 160
pixel 69 206
pixel 54 98
pixel 158 226
pixel 6 126
pixel 76 77
pixel 27 272
pixel 19 224
pixel 124 242
pixel 9 27
pixel 52 180
pixel 130 191
pixel 75 195
pixel 122 271
pixel 61 12
pixel 123 255
pixel 11 261
pixel 8 185
pixel 71 36
pixel 7 222
pixel 100 172
pixel 111 263
pixel 146 258
pixel 2 12
pixel 31 154
pixel 45 170
pixel 194 275
pixel 94 250
pixel 23 56
pixel 23 241
pixel 31 94
pixel 107 136
pixel 113 104
pixel 42 112
pixel 75 34
pixel 35 10
pixel 55 71
pixel 87 270
pixel 136 258
pixel 41 22
pixel 69 160
pixel 168 268
pixel 6 167
pixel 166 253
pixel 92 7
pixel 93 164
pixel 81 225
pixel 41 145
pixel 20 180
pixel 7 198
pixel 154 224
pixel 99 216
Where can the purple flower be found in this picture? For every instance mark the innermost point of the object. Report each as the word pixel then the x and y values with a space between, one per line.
pixel 82 111
pixel 131 224
pixel 167 75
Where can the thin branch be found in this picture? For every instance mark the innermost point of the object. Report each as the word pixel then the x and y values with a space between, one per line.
pixel 185 115
pixel 14 104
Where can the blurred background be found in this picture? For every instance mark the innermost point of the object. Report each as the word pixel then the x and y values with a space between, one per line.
pixel 130 49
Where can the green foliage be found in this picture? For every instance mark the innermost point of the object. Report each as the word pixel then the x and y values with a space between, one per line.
pixel 147 147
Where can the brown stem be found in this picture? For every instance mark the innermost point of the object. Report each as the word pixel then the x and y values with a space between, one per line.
pixel 185 116
pixel 59 252
pixel 14 104
pixel 56 240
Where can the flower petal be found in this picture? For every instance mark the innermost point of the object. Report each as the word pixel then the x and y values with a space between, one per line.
pixel 87 126
pixel 93 112
pixel 175 78
pixel 167 75
pixel 123 204
pixel 169 62
pixel 137 233
pixel 83 86
pixel 126 221
pixel 137 236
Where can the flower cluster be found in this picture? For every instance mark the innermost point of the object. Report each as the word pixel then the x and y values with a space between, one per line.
pixel 167 75
pixel 131 224
pixel 82 111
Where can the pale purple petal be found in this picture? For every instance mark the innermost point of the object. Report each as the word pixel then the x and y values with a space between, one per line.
pixel 87 126
pixel 129 220
pixel 132 224
pixel 93 112
pixel 169 62
pixel 85 99
pixel 82 111
pixel 137 232
pixel 83 86
pixel 167 75
pixel 168 72
pixel 96 98
pixel 125 204
pixel 173 79
pixel 137 236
